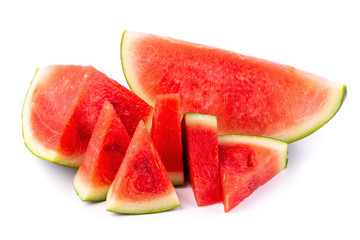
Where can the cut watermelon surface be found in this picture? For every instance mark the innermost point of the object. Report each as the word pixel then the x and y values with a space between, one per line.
pixel 62 106
pixel 249 96
pixel 104 154
pixel 246 163
pixel 166 135
pixel 141 184
pixel 201 156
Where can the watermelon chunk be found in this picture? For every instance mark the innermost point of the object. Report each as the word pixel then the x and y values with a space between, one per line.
pixel 201 157
pixel 141 184
pixel 249 96
pixel 62 106
pixel 104 154
pixel 166 135
pixel 246 163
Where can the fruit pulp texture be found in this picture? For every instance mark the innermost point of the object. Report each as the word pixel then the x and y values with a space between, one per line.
pixel 80 92
pixel 244 168
pixel 142 176
pixel 248 95
pixel 203 164
pixel 106 149
pixel 166 135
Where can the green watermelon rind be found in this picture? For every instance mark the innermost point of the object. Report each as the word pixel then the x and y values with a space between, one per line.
pixel 88 193
pixel 171 201
pixel 122 61
pixel 272 143
pixel 30 142
pixel 342 92
pixel 291 135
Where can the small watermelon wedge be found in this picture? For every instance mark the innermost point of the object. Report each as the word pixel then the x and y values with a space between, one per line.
pixel 141 184
pixel 246 163
pixel 201 157
pixel 61 108
pixel 103 156
pixel 249 96
pixel 166 135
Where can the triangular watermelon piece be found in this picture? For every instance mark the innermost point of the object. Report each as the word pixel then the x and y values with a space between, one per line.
pixel 166 134
pixel 201 157
pixel 142 184
pixel 246 163
pixel 103 156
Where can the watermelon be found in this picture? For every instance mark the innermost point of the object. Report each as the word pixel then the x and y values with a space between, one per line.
pixel 141 184
pixel 62 106
pixel 246 163
pixel 201 156
pixel 166 135
pixel 103 156
pixel 249 96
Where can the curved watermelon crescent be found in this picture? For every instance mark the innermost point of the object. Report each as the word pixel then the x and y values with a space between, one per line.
pixel 30 141
pixel 290 135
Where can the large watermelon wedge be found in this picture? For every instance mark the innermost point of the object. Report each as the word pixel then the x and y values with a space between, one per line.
pixel 141 184
pixel 249 96
pixel 246 163
pixel 61 108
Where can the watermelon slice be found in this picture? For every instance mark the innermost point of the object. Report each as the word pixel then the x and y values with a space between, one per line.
pixel 166 135
pixel 201 156
pixel 247 162
pixel 141 184
pixel 62 106
pixel 104 154
pixel 248 95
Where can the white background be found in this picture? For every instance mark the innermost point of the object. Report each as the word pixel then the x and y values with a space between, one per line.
pixel 317 196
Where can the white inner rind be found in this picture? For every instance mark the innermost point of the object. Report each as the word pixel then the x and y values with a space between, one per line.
pixel 116 204
pixel 127 65
pixel 35 146
pixel 86 191
pixel 279 146
pixel 209 121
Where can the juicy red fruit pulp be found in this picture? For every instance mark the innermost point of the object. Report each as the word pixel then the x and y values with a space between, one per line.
pixel 201 154
pixel 166 134
pixel 244 168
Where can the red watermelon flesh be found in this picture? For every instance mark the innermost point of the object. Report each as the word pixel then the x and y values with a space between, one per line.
pixel 141 184
pixel 62 106
pixel 246 163
pixel 201 157
pixel 104 154
pixel 248 95
pixel 166 135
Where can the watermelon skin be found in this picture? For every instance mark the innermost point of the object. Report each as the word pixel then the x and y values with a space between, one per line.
pixel 141 184
pixel 201 157
pixel 166 135
pixel 61 108
pixel 104 154
pixel 246 163
pixel 249 96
